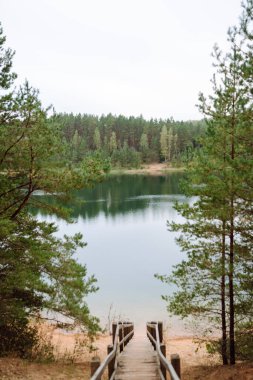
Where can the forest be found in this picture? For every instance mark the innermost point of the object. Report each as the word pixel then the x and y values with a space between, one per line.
pixel 129 141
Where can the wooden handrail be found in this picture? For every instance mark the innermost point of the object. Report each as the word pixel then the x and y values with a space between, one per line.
pixel 154 336
pixel 118 345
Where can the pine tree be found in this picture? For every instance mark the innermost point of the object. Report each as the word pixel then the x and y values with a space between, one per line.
pixel 215 281
pixel 144 142
pixel 170 143
pixel 164 143
pixel 175 145
pixel 37 270
pixel 75 146
pixel 144 146
pixel 113 142
pixel 97 139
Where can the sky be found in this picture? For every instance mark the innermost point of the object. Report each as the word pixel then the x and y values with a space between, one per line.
pixel 130 57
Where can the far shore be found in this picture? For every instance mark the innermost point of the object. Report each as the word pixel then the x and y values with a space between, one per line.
pixel 149 169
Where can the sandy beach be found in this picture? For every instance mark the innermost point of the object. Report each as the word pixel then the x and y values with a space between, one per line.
pixel 196 364
pixel 151 169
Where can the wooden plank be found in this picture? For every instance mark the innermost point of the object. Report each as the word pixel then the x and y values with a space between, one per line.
pixel 138 361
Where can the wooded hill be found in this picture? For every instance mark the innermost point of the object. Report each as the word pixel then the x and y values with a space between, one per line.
pixel 129 141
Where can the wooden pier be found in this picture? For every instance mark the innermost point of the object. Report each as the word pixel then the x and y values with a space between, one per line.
pixel 136 358
pixel 138 361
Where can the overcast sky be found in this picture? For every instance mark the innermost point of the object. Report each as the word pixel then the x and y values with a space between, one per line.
pixel 130 57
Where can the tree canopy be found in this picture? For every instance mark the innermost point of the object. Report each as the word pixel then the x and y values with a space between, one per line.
pixel 38 271
pixel 215 281
pixel 120 137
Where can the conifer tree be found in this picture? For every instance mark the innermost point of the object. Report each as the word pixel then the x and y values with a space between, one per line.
pixel 170 143
pixel 97 139
pixel 144 146
pixel 113 142
pixel 215 281
pixel 164 143
pixel 144 142
pixel 37 270
pixel 75 146
pixel 175 144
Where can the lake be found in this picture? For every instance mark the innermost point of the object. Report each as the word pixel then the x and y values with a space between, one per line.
pixel 124 222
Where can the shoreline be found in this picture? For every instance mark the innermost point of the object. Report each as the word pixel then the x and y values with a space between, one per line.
pixel 148 169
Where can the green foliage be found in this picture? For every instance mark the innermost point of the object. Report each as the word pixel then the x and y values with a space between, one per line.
pixel 144 142
pixel 94 167
pixel 18 338
pixel 243 340
pixel 77 148
pixel 38 271
pixel 126 157
pixel 164 143
pixel 46 277
pixel 113 142
pixel 6 76
pixel 109 134
pixel 215 281
pixel 97 139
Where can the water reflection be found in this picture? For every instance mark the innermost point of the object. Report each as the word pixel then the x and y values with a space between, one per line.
pixel 124 222
pixel 119 194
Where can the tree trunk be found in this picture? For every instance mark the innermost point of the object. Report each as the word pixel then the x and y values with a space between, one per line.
pixel 231 235
pixel 223 303
pixel 231 288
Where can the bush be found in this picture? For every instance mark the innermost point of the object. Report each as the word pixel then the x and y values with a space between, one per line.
pixel 243 343
pixel 18 338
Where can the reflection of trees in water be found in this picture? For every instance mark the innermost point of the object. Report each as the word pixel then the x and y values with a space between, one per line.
pixel 120 195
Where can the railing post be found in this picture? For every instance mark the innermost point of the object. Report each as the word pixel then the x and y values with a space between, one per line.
pixel 114 328
pixel 163 351
pixel 127 331
pixel 150 331
pixel 124 331
pixel 175 362
pixel 160 330
pixel 112 363
pixel 121 346
pixel 94 364
pixel 153 333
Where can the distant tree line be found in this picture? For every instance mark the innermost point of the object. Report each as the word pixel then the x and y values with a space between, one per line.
pixel 129 141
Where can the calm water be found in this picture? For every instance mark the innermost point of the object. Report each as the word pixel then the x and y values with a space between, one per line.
pixel 123 220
